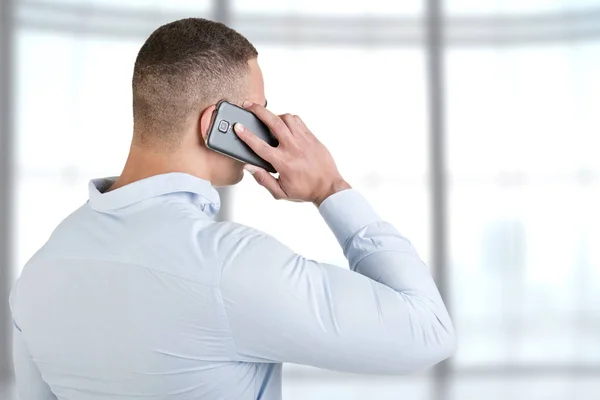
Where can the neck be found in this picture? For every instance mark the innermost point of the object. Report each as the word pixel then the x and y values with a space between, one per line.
pixel 144 162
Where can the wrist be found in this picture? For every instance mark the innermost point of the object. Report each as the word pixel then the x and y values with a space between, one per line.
pixel 337 185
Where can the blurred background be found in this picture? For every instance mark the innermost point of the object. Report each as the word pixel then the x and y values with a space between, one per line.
pixel 485 153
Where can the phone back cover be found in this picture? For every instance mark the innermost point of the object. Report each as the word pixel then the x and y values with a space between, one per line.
pixel 230 144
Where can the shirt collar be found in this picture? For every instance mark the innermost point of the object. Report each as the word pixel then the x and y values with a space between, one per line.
pixel 204 194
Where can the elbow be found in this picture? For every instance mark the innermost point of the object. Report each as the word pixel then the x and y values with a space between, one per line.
pixel 426 346
pixel 445 343
pixel 427 351
pixel 433 333
pixel 432 339
pixel 422 357
pixel 445 349
pixel 437 345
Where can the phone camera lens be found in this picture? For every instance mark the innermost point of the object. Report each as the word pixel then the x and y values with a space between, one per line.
pixel 223 126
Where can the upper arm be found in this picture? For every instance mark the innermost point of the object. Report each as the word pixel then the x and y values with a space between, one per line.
pixel 282 307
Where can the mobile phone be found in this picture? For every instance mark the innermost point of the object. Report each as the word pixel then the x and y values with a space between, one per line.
pixel 222 138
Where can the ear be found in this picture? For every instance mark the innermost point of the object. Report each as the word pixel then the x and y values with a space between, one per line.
pixel 205 120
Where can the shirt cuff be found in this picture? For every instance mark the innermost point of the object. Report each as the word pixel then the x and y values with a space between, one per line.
pixel 346 212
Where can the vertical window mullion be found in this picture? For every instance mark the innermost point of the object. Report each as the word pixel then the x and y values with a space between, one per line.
pixel 434 48
pixel 6 181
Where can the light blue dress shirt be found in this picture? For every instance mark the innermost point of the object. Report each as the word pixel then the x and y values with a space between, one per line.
pixel 141 294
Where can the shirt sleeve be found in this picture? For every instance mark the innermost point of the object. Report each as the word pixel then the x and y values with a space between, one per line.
pixel 30 385
pixel 384 315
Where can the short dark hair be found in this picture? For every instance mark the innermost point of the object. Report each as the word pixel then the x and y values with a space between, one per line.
pixel 183 66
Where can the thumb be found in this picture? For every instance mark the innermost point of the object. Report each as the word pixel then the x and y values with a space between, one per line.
pixel 266 180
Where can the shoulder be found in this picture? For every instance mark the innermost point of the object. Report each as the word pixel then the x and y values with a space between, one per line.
pixel 232 235
pixel 240 245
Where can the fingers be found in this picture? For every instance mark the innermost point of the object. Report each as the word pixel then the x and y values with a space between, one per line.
pixel 302 126
pixel 301 123
pixel 290 121
pixel 273 122
pixel 259 146
pixel 295 124
pixel 266 180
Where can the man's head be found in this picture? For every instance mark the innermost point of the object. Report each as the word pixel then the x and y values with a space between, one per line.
pixel 183 69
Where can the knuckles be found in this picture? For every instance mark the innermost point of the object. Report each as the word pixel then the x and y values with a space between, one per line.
pixel 288 119
pixel 279 125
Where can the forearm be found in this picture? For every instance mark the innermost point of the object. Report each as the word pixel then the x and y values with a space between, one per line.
pixel 375 249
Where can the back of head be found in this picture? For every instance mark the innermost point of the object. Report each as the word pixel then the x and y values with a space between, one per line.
pixel 183 67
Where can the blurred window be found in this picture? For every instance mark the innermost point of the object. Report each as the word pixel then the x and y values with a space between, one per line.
pixel 523 193
pixel 329 8
pixel 124 5
pixel 498 7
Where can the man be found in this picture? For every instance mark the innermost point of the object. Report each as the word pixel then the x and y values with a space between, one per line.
pixel 141 293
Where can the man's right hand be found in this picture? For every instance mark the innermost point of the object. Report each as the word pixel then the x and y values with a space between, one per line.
pixel 306 169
